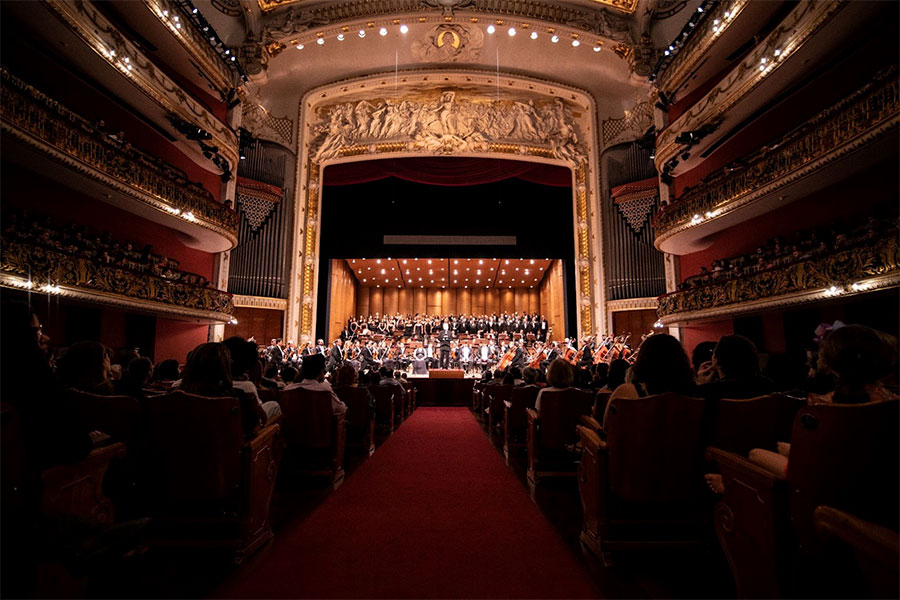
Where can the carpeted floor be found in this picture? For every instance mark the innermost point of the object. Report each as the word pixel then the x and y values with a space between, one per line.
pixel 434 513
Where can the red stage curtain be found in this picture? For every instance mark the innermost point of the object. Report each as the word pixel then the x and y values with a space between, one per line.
pixel 449 171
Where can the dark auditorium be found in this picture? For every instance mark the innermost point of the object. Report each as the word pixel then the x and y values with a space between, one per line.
pixel 450 299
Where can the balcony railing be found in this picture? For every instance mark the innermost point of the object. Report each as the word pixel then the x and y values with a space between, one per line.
pixel 42 269
pixel 849 271
pixel 859 119
pixel 59 131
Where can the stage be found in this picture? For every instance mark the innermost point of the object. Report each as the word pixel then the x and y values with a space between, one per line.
pixel 443 388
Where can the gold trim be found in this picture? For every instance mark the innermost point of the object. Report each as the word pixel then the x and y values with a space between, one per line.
pixel 651 303
pixel 259 302
pixel 789 37
pixel 869 267
pixel 98 33
pixel 860 119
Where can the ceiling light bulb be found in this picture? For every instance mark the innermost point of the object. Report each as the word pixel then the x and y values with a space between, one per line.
pixel 554 39
pixel 534 35
pixel 300 46
pixel 340 37
pixel 404 29
pixel 320 41
pixel 511 31
pixel 576 43
pixel 362 33
pixel 382 31
pixel 491 29
pixel 598 48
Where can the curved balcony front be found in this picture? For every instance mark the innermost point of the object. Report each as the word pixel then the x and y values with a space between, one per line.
pixel 40 269
pixel 852 271
pixel 853 135
pixel 42 135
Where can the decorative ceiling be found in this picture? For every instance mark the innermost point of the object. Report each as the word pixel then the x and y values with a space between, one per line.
pixel 497 273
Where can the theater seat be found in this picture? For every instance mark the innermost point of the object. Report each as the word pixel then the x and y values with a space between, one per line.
pixel 360 418
pixel 497 395
pixel 642 486
pixel 314 436
pixel 741 425
pixel 384 406
pixel 515 420
pixel 551 435
pixel 201 481
pixel 843 456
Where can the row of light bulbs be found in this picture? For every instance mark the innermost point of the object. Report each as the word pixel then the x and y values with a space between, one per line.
pixel 491 29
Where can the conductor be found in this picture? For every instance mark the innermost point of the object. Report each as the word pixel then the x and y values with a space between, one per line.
pixel 444 340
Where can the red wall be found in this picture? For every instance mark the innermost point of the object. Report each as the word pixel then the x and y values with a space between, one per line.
pixel 22 189
pixel 93 104
pixel 710 331
pixel 174 339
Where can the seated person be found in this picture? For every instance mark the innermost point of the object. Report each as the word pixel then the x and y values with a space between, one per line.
pixel 86 366
pixel 733 371
pixel 243 360
pixel 312 372
pixel 136 378
pixel 616 375
pixel 208 373
pixel 560 376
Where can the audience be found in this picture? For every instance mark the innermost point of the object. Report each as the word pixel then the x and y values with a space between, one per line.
pixel 86 366
pixel 617 372
pixel 313 373
pixel 136 378
pixel 560 376
pixel 733 371
pixel 243 360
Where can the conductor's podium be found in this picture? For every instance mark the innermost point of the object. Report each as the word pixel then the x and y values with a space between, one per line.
pixel 446 374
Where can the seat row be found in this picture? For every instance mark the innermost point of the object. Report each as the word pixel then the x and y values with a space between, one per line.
pixel 185 462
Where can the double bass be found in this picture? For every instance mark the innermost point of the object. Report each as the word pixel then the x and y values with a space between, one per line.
pixel 507 358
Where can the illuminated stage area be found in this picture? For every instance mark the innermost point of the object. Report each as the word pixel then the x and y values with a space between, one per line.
pixel 430 289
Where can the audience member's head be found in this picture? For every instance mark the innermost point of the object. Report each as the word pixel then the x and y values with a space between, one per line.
pixel 583 379
pixel 516 372
pixel 22 350
pixel 289 374
pixel 385 373
pixel 139 371
pixel 859 356
pixel 735 357
pixel 167 370
pixel 559 374
pixel 703 352
pixel 601 373
pixel 529 375
pixel 662 365
pixel 617 370
pixel 487 376
pixel 271 371
pixel 346 376
pixel 123 357
pixel 313 367
pixel 243 356
pixel 85 366
pixel 508 378
pixel 207 371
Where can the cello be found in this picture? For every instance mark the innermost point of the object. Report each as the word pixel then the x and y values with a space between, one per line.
pixel 507 358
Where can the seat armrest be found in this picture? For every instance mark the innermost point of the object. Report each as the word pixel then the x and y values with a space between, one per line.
pixel 260 470
pixel 734 466
pixel 533 415
pixel 590 423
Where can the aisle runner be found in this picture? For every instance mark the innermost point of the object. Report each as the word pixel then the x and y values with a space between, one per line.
pixel 433 513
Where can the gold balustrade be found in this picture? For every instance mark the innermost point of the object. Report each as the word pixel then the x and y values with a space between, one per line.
pixel 860 118
pixel 848 271
pixel 25 110
pixel 39 268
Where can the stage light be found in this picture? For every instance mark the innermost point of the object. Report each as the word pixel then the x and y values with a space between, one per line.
pixel 598 48
pixel 320 41
pixel 340 37
pixel 534 35
pixel 511 31
pixel 383 31
pixel 554 39
pixel 576 43
pixel 404 29
pixel 362 33
pixel 300 46
pixel 491 29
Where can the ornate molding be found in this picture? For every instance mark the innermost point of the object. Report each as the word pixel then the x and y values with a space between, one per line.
pixel 207 59
pixel 846 272
pixel 631 127
pixel 760 64
pixel 264 125
pixel 260 302
pixel 40 269
pixel 632 304
pixel 45 125
pixel 688 58
pixel 98 33
pixel 858 120
pixel 358 9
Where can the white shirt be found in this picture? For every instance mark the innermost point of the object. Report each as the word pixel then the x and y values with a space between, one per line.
pixel 315 385
pixel 248 387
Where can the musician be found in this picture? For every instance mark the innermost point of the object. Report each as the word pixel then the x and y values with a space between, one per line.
pixel 542 332
pixel 275 352
pixel 320 347
pixel 465 356
pixel 587 357
pixel 518 360
pixel 336 356
pixel 367 360
pixel 444 338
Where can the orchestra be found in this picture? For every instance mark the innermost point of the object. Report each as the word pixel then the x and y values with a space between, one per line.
pixel 468 342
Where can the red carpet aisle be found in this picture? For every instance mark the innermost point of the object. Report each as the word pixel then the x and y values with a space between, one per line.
pixel 433 513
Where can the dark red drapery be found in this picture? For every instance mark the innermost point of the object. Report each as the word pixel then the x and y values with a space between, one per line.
pixel 449 171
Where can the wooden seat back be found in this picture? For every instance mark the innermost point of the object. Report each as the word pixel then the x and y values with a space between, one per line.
pixel 561 412
pixel 117 416
pixel 600 402
pixel 267 394
pixel 655 448
pixel 740 425
pixel 384 403
pixel 194 446
pixel 844 456
pixel 307 417
pixel 520 399
pixel 357 401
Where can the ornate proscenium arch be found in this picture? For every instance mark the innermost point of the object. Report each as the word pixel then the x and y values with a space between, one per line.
pixel 446 113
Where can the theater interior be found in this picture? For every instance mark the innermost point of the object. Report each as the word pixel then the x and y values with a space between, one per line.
pixel 449 298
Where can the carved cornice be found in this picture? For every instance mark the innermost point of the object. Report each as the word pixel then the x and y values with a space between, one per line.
pixel 759 65
pixel 631 127
pixel 43 124
pixel 97 32
pixel 390 6
pixel 858 120
pixel 846 272
pixel 693 53
pixel 260 302
pixel 43 270
pixel 632 304
pixel 216 70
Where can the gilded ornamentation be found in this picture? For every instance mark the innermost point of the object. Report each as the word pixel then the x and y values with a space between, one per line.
pixel 102 36
pixel 446 124
pixel 790 36
pixel 42 265
pixel 263 124
pixel 788 284
pixel 632 126
pixel 449 42
pixel 858 119
pixel 44 123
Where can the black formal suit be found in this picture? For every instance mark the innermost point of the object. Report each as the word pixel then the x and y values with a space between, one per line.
pixel 367 361
pixel 518 359
pixel 444 338
pixel 336 358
